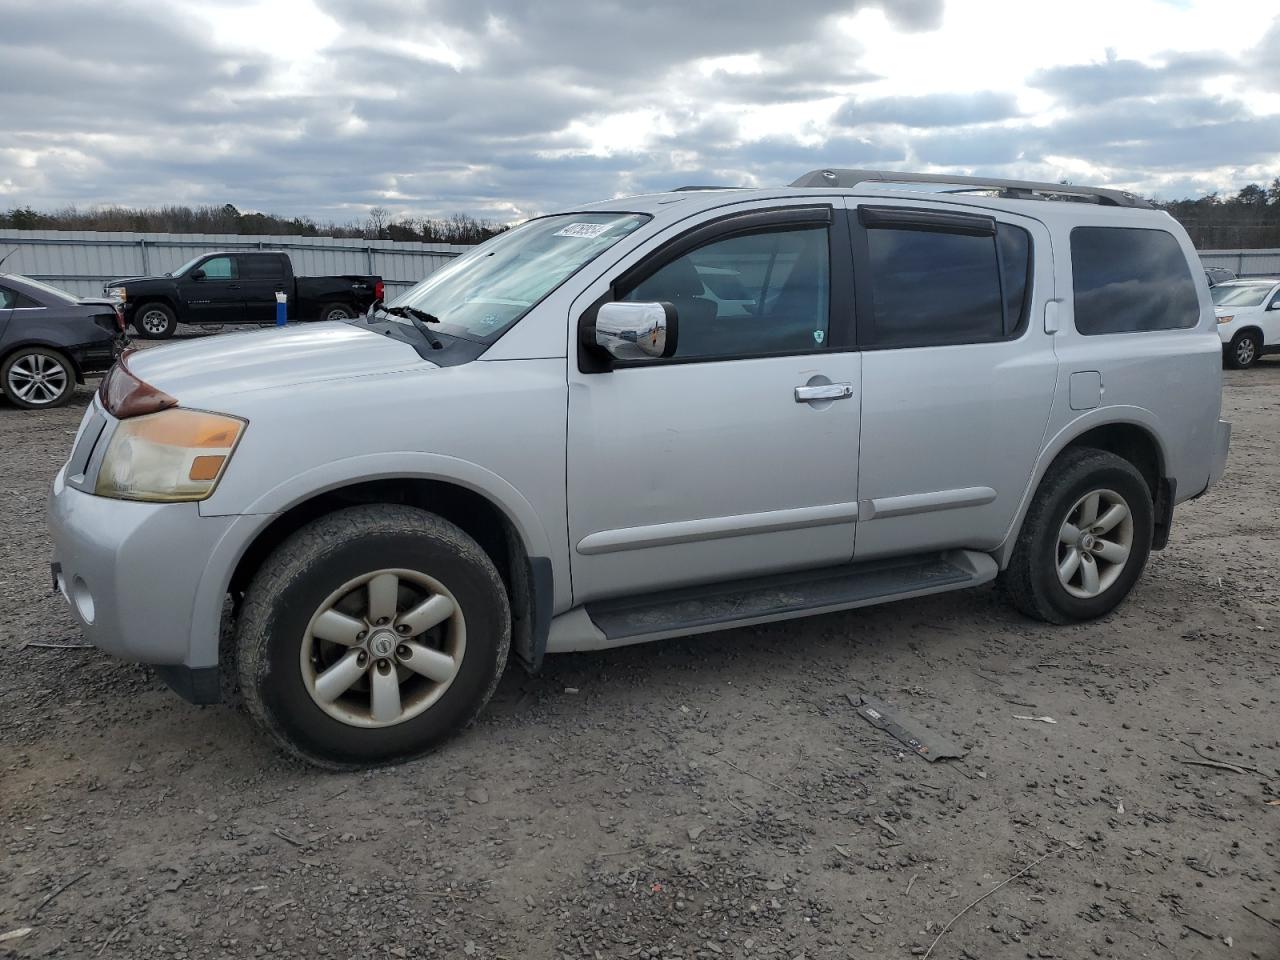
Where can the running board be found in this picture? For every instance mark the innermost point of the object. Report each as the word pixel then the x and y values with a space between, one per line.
pixel 740 603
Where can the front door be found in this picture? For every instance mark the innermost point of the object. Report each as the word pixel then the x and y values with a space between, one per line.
pixel 216 297
pixel 958 372
pixel 722 461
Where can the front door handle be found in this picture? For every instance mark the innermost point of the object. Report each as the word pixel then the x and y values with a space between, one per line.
pixel 824 391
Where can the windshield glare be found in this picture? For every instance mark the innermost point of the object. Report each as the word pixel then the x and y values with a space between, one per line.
pixel 481 293
pixel 1245 295
pixel 52 291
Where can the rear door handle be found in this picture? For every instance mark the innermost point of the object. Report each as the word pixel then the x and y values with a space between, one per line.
pixel 824 391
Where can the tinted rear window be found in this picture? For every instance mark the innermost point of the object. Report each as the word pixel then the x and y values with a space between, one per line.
pixel 261 268
pixel 1130 280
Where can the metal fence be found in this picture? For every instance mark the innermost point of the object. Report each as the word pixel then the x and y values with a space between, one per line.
pixel 81 261
pixel 1244 263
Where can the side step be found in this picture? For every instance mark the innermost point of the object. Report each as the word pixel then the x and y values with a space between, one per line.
pixel 739 603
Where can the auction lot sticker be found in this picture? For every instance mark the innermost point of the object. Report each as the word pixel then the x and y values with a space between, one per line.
pixel 586 231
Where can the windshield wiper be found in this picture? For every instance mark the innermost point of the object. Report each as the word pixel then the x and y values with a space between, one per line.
pixel 419 318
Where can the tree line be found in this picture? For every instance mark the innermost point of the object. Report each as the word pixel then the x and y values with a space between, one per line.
pixel 379 225
pixel 1248 219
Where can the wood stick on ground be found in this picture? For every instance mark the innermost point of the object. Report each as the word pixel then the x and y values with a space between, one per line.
pixel 1204 756
pixel 1041 859
pixel 769 783
pixel 49 899
pixel 56 646
pixel 1216 764
pixel 1274 923
pixel 114 933
pixel 911 883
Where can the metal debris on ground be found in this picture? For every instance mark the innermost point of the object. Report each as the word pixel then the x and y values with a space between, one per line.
pixel 925 742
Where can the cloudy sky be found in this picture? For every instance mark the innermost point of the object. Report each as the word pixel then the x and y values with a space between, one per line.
pixel 507 108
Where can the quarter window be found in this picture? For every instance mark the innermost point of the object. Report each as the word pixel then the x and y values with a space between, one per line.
pixel 1129 280
pixel 7 298
pixel 747 295
pixel 219 268
pixel 932 287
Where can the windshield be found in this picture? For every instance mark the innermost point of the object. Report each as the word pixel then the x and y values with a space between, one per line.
pixel 187 266
pixel 52 291
pixel 484 291
pixel 1245 295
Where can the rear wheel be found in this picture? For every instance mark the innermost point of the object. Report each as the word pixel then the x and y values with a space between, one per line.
pixel 35 378
pixel 336 311
pixel 1084 541
pixel 155 321
pixel 371 635
pixel 1244 350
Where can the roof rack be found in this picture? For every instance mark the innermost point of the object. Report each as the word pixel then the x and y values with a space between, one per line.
pixel 1009 189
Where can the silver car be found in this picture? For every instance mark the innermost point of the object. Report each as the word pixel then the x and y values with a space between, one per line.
pixel 562 441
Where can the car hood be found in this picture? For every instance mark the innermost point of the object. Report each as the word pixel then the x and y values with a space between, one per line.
pixel 203 370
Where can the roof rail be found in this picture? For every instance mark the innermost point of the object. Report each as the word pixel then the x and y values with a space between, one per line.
pixel 703 186
pixel 1010 189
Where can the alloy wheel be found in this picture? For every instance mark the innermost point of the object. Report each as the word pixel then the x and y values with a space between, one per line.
pixel 1094 543
pixel 37 379
pixel 1245 351
pixel 383 648
pixel 155 321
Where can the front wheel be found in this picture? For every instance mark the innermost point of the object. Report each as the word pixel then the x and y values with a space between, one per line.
pixel 1243 350
pixel 1084 541
pixel 155 321
pixel 371 635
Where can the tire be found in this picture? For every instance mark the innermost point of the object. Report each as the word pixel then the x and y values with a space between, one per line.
pixel 37 378
pixel 155 321
pixel 1097 583
pixel 283 663
pixel 336 311
pixel 1243 351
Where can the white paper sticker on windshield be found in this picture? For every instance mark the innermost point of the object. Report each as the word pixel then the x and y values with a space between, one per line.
pixel 587 231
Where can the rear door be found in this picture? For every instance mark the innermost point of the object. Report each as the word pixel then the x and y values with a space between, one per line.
pixel 262 276
pixel 216 297
pixel 958 374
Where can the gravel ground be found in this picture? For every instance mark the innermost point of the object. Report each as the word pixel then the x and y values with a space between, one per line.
pixel 707 798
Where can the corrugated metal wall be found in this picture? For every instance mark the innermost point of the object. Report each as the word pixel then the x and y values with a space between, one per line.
pixel 81 261
pixel 1245 263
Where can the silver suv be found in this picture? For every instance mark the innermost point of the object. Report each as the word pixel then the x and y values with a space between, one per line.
pixel 649 417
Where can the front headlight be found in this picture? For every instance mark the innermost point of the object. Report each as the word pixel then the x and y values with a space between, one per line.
pixel 116 293
pixel 172 455
pixel 1226 319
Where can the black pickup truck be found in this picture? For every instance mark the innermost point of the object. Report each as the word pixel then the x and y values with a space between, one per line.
pixel 237 287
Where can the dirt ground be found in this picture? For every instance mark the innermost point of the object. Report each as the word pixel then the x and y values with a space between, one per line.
pixel 708 798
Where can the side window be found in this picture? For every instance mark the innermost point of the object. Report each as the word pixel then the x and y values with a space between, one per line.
pixel 931 287
pixel 261 268
pixel 219 268
pixel 1130 280
pixel 7 298
pixel 747 295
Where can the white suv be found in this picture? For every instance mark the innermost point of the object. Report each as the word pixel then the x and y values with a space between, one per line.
pixel 568 440
pixel 1248 314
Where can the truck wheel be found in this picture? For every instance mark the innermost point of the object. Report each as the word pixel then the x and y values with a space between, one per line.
pixel 336 311
pixel 371 635
pixel 36 378
pixel 155 321
pixel 1243 351
pixel 1084 541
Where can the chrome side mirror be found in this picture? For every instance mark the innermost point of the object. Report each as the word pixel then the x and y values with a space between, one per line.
pixel 637 331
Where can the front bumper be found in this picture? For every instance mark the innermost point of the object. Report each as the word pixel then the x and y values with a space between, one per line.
pixel 132 572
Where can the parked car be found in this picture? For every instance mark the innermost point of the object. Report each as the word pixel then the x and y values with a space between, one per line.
pixel 1216 275
pixel 238 287
pixel 49 340
pixel 557 443
pixel 1248 314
